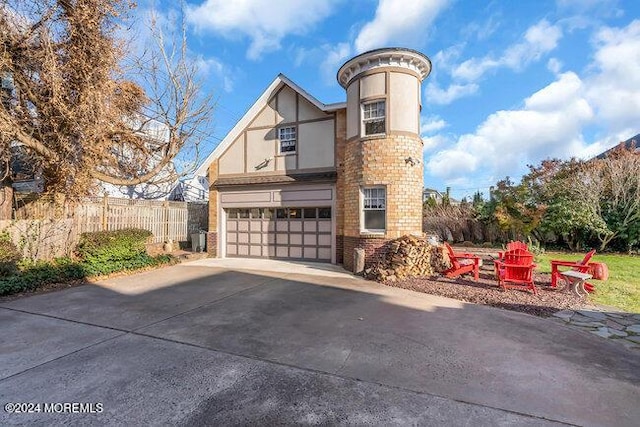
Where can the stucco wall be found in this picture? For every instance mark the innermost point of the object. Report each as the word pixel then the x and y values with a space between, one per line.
pixel 256 150
pixel 404 107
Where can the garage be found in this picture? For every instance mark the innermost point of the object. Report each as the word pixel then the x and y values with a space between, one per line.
pixel 298 233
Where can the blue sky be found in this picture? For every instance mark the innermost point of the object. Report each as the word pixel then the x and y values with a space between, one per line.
pixel 512 82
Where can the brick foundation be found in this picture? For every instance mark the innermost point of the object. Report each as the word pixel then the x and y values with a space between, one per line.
pixel 375 250
pixel 339 249
pixel 212 244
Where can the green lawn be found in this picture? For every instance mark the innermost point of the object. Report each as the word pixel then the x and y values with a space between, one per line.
pixel 622 290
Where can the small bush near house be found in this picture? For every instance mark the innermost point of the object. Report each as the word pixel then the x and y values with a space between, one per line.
pixel 105 252
pixel 9 255
pixel 34 274
pixel 99 253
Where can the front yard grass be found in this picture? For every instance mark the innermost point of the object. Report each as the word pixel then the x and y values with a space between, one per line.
pixel 621 290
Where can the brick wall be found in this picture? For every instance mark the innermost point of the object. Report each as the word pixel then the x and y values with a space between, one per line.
pixel 212 244
pixel 375 249
pixel 382 161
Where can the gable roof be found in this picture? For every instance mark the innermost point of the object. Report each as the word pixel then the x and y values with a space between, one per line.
pixel 280 81
pixel 634 142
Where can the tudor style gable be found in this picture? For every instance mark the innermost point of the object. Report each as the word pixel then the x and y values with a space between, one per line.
pixel 284 133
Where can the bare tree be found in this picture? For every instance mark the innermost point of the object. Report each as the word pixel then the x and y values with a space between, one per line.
pixel 82 117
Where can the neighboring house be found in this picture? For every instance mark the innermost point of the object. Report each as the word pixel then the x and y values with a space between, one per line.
pixel 430 193
pixel 192 189
pixel 633 142
pixel 299 179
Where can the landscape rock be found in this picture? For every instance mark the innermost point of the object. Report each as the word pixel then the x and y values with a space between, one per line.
pixel 634 328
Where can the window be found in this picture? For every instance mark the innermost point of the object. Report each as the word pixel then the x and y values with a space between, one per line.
pixel 374 206
pixel 373 118
pixel 288 140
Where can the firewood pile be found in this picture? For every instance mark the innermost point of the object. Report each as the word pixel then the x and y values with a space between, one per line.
pixel 409 256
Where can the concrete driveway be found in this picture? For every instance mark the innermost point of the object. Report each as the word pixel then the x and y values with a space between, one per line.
pixel 240 342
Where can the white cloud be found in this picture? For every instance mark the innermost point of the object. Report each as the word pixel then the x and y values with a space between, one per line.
pixel 539 39
pixel 436 95
pixel 552 121
pixel 333 58
pixel 614 87
pixel 431 124
pixel 432 142
pixel 554 65
pixel 398 21
pixel 548 125
pixel 263 22
pixel 213 68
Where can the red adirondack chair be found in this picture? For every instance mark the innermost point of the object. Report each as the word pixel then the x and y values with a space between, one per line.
pixel 462 264
pixel 513 245
pixel 580 266
pixel 515 270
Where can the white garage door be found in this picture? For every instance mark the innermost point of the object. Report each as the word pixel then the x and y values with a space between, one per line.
pixel 287 233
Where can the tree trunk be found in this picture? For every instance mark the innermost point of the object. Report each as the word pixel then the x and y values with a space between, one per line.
pixel 6 199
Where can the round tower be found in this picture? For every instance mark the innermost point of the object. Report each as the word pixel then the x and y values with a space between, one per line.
pixel 381 172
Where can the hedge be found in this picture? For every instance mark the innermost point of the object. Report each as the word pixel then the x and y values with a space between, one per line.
pixel 98 253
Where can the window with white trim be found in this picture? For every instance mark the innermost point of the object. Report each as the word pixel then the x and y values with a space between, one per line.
pixel 288 139
pixel 374 208
pixel 373 118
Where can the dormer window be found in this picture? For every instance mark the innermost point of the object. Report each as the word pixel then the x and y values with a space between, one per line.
pixel 373 118
pixel 288 139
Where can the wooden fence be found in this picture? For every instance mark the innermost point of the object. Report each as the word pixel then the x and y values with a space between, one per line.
pixel 46 229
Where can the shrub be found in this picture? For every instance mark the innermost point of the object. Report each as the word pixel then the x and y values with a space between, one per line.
pixel 10 256
pixel 104 247
pixel 487 245
pixel 467 243
pixel 35 274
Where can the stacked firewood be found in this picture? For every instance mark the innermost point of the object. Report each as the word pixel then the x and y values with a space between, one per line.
pixel 409 256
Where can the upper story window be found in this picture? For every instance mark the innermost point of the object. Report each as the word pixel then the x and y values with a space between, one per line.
pixel 374 208
pixel 288 139
pixel 373 117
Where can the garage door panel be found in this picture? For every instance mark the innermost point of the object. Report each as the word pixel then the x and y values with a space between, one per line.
pixel 324 240
pixel 324 253
pixel 295 233
pixel 324 226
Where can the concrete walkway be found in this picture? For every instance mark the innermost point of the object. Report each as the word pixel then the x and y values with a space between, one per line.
pixel 210 342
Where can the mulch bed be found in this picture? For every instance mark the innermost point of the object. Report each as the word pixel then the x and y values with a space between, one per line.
pixel 487 292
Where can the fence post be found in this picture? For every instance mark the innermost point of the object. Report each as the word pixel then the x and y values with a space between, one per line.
pixel 105 211
pixel 165 238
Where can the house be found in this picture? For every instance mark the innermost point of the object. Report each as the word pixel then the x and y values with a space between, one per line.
pixel 430 193
pixel 299 179
pixel 631 143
